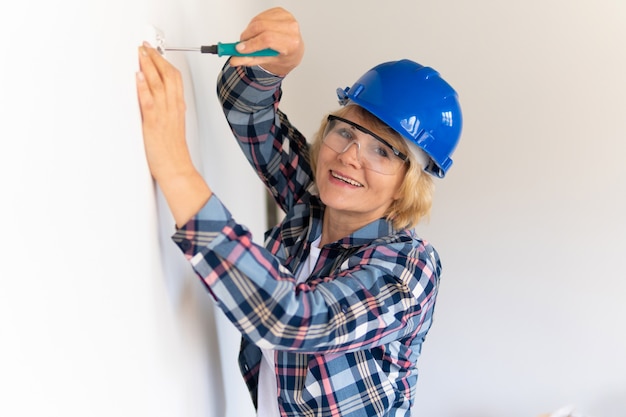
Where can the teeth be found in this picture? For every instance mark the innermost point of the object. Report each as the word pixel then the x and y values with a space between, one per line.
pixel 346 180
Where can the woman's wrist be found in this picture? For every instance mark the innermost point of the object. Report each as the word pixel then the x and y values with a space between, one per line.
pixel 186 194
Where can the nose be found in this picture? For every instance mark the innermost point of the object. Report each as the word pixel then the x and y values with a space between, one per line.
pixel 350 157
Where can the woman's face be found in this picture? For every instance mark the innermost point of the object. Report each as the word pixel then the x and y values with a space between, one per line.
pixel 358 194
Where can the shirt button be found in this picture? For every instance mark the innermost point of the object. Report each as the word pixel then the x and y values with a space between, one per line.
pixel 344 309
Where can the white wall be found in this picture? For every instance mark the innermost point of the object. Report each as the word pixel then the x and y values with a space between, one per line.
pixel 529 221
pixel 98 315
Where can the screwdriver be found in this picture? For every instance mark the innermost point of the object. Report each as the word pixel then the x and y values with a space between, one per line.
pixel 222 49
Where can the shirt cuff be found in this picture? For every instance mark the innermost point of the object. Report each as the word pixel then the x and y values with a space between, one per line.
pixel 203 228
pixel 261 76
pixel 214 210
pixel 269 72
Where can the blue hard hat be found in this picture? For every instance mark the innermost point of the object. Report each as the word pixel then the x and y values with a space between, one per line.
pixel 415 102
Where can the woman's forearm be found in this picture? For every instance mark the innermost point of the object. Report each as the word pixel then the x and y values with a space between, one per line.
pixel 185 194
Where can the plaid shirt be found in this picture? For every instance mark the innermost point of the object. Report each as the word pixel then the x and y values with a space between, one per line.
pixel 347 340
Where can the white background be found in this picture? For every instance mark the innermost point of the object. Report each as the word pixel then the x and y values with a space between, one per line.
pixel 98 315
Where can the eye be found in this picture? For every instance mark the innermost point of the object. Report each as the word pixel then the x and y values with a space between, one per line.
pixel 378 150
pixel 382 151
pixel 345 133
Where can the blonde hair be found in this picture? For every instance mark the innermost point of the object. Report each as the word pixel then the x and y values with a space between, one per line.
pixel 417 188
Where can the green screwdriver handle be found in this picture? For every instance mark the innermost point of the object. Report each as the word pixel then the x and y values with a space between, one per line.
pixel 229 49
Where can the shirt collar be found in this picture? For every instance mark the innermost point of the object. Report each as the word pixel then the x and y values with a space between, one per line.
pixel 363 236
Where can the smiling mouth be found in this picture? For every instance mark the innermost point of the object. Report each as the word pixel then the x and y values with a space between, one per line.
pixel 346 180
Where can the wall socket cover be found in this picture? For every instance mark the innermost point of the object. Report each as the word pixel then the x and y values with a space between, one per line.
pixel 156 38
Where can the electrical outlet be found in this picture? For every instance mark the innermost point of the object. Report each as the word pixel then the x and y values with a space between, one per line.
pixel 156 38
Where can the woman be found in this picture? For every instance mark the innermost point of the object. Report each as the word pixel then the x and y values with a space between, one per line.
pixel 334 310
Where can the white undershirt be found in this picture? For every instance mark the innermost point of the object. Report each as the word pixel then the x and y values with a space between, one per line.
pixel 267 391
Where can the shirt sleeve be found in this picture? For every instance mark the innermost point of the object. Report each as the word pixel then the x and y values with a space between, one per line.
pixel 274 147
pixel 379 295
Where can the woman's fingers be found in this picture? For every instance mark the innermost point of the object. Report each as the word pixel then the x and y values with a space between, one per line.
pixel 276 29
pixel 149 69
pixel 160 93
pixel 143 93
pixel 159 82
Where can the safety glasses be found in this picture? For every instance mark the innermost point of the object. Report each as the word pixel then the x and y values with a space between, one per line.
pixel 374 152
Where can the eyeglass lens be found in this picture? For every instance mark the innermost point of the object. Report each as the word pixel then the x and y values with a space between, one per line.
pixel 341 134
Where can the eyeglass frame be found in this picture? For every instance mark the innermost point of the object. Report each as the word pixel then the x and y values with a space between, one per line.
pixel 362 129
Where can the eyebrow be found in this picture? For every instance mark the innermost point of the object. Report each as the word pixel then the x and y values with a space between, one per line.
pixel 395 150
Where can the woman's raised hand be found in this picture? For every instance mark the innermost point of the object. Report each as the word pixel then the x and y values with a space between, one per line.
pixel 160 91
pixel 276 29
